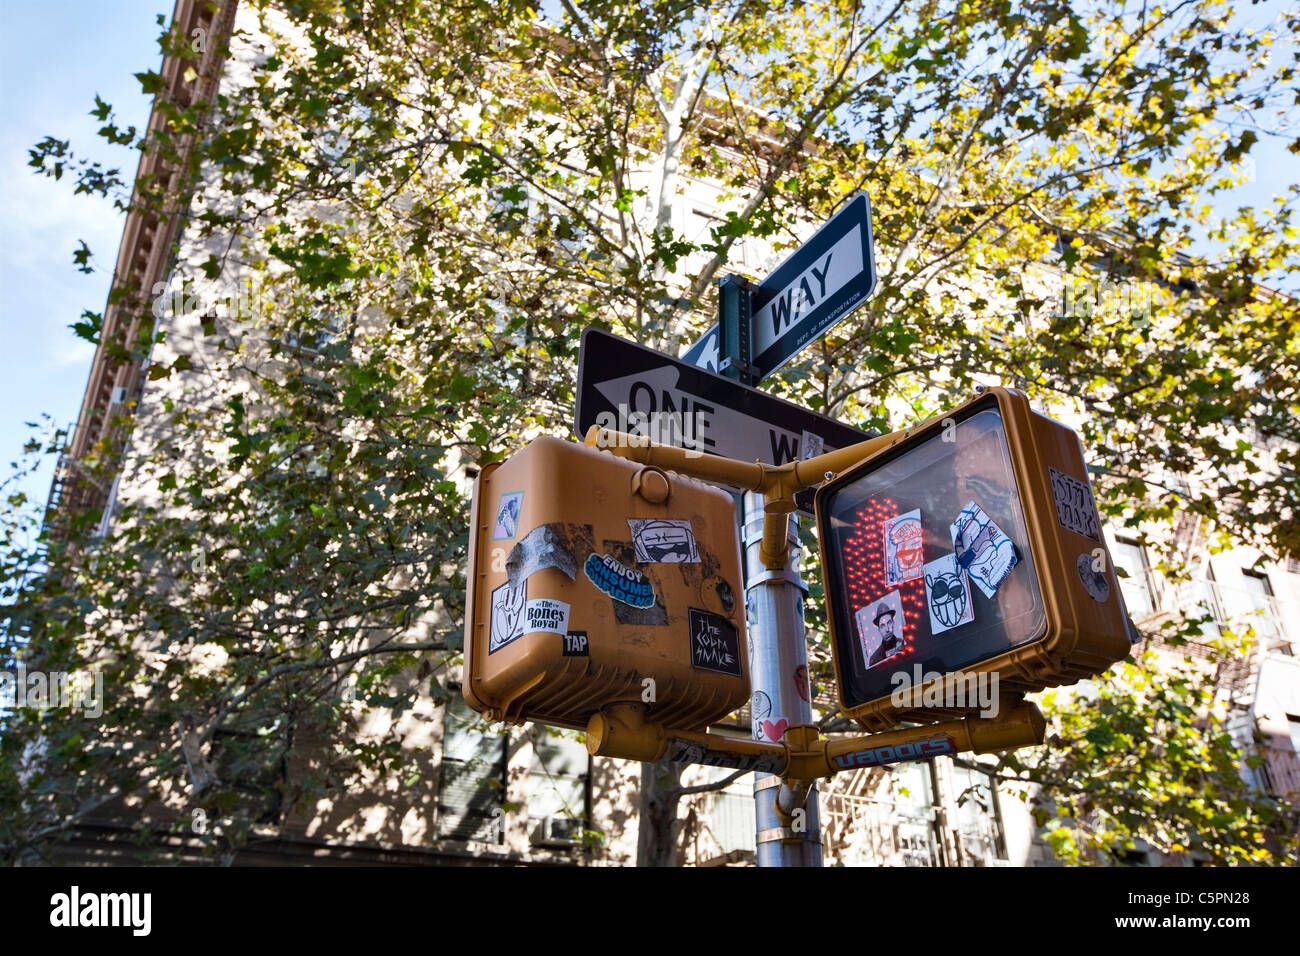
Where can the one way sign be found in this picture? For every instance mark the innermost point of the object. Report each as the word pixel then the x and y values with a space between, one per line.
pixel 628 388
pixel 825 279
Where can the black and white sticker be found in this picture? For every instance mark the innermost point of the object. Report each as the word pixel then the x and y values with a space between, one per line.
pixel 1094 580
pixel 1075 507
pixel 507 615
pixel 664 540
pixel 715 643
pixel 545 614
pixel 575 644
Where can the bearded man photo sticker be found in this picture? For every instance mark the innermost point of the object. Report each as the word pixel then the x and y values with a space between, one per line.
pixel 880 628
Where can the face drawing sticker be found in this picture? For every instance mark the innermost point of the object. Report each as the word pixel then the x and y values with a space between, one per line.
pixel 663 540
pixel 982 549
pixel 947 593
pixel 904 548
pixel 880 628
pixel 508 509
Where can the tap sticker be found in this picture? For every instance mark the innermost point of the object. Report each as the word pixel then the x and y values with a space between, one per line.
pixel 715 643
pixel 545 614
pixel 982 549
pixel 575 644
pixel 880 628
pixel 1075 507
pixel 619 581
pixel 666 540
pixel 508 509
pixel 947 594
pixel 904 553
pixel 507 615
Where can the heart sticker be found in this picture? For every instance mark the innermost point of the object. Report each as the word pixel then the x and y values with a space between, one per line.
pixel 776 730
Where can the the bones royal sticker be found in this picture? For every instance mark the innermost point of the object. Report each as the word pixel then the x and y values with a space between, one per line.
pixel 947 594
pixel 508 508
pixel 621 583
pixel 904 550
pixel 666 540
pixel 715 643
pixel 507 615
pixel 879 756
pixel 547 615
pixel 982 549
pixel 1075 507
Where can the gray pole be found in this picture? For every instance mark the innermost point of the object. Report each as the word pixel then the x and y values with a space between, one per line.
pixel 780 690
pixel 774 611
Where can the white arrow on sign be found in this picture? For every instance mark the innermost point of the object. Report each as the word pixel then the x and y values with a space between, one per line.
pixel 651 405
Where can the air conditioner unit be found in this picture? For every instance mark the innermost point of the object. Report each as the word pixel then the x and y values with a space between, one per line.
pixel 118 396
pixel 557 832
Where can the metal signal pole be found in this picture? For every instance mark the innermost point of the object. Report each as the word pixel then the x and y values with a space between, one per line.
pixel 788 834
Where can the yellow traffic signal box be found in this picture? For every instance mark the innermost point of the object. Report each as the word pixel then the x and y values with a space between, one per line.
pixel 970 548
pixel 595 581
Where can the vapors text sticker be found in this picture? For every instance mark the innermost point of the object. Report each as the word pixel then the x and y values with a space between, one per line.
pixel 1075 507
pixel 947 594
pixel 507 615
pixel 545 614
pixel 715 643
pixel 904 552
pixel 982 549
pixel 618 581
pixel 667 540
pixel 508 508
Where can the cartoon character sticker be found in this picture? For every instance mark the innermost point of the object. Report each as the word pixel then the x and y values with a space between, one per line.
pixel 507 615
pixel 880 628
pixel 801 681
pixel 947 594
pixel 983 551
pixel 508 508
pixel 665 540
pixel 904 552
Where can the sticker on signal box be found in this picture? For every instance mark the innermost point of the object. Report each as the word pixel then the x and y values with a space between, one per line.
pixel 982 549
pixel 545 614
pixel 904 549
pixel 664 540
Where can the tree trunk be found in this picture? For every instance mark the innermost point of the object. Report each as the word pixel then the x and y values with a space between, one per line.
pixel 657 832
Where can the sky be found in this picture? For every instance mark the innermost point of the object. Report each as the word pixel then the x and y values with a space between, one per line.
pixel 55 55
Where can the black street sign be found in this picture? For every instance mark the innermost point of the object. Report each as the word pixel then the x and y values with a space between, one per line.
pixel 818 286
pixel 632 389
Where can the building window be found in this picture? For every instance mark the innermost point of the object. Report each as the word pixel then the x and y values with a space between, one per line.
pixel 1263 617
pixel 1207 605
pixel 471 786
pixel 558 794
pixel 1130 558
